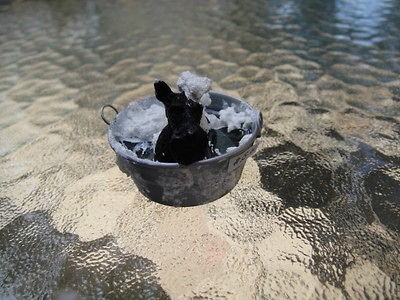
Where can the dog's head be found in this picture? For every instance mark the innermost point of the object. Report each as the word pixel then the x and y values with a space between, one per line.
pixel 182 140
pixel 181 112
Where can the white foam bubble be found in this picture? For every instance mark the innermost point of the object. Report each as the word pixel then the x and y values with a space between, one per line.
pixel 232 119
pixel 142 123
pixel 196 88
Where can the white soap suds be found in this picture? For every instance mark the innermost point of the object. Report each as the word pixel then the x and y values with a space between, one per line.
pixel 154 139
pixel 231 119
pixel 143 123
pixel 195 88
pixel 204 122
pixel 205 100
pixel 214 121
pixel 244 139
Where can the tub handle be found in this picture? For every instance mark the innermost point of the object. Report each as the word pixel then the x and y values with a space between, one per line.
pixel 102 112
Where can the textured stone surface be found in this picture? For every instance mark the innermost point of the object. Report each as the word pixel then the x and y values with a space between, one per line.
pixel 316 213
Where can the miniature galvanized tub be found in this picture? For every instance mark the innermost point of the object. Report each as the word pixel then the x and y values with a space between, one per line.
pixel 180 185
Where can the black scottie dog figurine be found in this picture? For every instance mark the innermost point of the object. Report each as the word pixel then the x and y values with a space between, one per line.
pixel 182 140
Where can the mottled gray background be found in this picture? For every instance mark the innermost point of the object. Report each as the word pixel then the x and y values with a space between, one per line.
pixel 317 211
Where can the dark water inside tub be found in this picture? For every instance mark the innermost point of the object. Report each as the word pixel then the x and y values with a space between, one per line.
pixel 219 140
pixel 317 212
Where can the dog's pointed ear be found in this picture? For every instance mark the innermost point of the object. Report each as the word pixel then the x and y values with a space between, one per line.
pixel 163 92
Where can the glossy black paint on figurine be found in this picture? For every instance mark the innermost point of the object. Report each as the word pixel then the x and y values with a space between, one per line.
pixel 182 141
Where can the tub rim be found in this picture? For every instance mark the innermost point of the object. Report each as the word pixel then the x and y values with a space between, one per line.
pixel 226 156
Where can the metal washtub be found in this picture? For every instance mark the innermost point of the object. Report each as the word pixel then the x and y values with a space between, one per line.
pixel 195 184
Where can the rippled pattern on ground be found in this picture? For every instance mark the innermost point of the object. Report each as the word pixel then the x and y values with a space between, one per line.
pixel 317 211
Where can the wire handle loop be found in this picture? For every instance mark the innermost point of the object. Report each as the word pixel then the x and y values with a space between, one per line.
pixel 102 112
